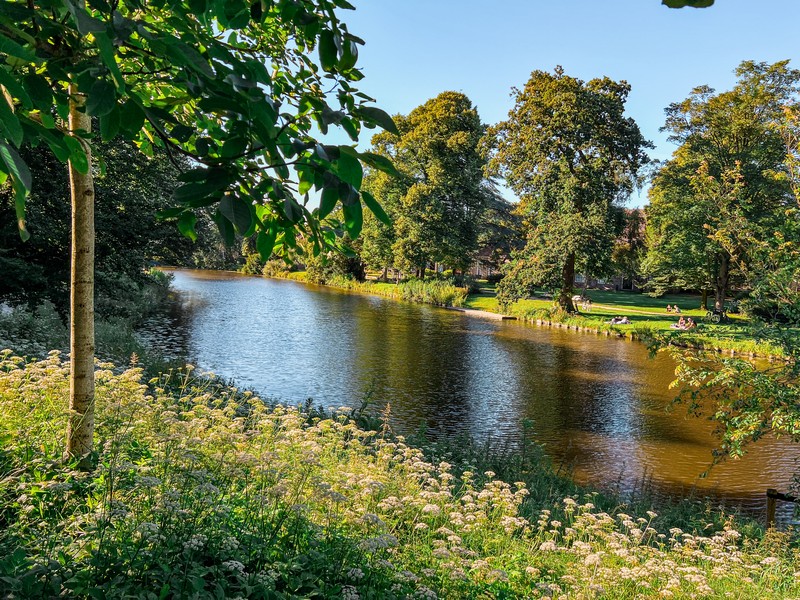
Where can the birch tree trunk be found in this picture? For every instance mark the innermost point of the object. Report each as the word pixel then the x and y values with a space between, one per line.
pixel 80 429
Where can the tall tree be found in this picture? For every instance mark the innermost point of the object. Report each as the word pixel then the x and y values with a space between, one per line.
pixel 232 85
pixel 438 202
pixel 570 154
pixel 725 185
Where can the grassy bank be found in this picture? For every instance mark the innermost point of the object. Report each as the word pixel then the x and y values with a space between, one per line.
pixel 201 491
pixel 33 331
pixel 648 317
pixel 431 291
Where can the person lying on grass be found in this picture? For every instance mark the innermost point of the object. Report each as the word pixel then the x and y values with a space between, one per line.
pixel 619 321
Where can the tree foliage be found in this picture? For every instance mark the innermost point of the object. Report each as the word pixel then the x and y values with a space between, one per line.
pixel 725 186
pixel 570 154
pixel 233 86
pixel 437 204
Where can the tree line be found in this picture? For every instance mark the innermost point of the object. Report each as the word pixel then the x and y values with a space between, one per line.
pixel 721 215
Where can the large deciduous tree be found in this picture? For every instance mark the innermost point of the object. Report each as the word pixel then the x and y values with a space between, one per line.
pixel 572 156
pixel 725 186
pixel 236 86
pixel 438 202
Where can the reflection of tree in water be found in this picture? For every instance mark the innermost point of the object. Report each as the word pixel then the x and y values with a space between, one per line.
pixel 168 331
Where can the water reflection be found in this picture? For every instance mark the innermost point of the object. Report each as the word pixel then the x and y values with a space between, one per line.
pixel 598 405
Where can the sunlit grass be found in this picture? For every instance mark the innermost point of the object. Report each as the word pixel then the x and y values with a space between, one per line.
pixel 648 316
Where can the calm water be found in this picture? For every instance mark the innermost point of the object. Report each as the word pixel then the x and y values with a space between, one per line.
pixel 598 405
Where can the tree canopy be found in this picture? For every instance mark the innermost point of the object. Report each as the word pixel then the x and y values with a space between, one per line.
pixel 438 202
pixel 725 186
pixel 571 155
pixel 233 87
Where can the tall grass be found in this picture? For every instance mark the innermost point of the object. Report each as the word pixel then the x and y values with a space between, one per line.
pixel 430 291
pixel 203 491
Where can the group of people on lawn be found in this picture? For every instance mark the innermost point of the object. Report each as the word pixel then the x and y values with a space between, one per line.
pixel 682 323
pixel 687 323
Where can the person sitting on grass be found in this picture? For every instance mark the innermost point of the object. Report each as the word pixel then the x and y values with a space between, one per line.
pixel 690 324
pixel 675 309
pixel 681 324
pixel 669 308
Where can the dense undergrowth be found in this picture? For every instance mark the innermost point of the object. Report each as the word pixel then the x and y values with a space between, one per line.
pixel 202 491
pixel 439 292
pixel 34 331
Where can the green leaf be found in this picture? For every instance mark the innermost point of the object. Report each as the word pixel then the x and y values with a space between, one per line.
pixel 376 208
pixel 131 118
pixel 265 242
pixel 349 55
pixel 306 178
pixel 12 48
pixel 381 117
pixel 182 133
pixel 379 162
pixel 353 219
pixel 193 59
pixel 233 146
pixel 108 54
pixel 352 127
pixel 327 50
pixel 55 140
pixel 41 94
pixel 83 20
pixel 110 124
pixel 186 225
pixel 237 212
pixel 197 189
pixel 16 166
pixel 225 228
pixel 330 196
pixel 10 127
pixel 102 98
pixel 349 169
pixel 14 87
pixel 22 182
pixel 77 154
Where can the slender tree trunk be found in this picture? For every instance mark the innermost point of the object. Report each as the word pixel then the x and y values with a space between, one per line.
pixel 385 274
pixel 80 428
pixel 704 299
pixel 567 282
pixel 721 285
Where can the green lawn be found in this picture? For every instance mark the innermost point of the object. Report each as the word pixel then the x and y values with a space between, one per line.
pixel 642 310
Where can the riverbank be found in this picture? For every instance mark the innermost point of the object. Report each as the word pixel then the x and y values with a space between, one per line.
pixel 201 489
pixel 33 331
pixel 648 316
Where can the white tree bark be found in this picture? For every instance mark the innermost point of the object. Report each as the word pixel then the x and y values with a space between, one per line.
pixel 80 429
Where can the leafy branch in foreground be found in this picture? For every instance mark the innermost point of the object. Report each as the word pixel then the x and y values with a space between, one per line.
pixel 234 86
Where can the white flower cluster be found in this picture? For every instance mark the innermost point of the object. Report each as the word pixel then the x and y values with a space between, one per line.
pixel 196 542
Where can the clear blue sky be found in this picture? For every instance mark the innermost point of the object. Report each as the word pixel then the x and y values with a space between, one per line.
pixel 416 49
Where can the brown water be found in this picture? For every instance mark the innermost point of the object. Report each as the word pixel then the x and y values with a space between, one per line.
pixel 598 405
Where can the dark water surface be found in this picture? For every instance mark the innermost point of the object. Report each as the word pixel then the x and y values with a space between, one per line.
pixel 598 405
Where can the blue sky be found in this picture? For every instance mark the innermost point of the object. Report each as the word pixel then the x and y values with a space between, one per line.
pixel 416 49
